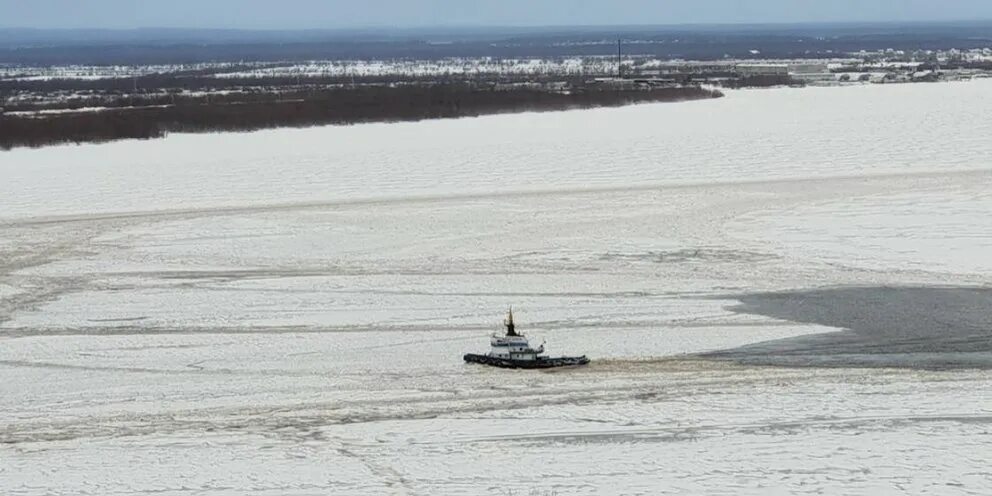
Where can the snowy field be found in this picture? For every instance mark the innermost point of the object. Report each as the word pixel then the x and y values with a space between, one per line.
pixel 284 312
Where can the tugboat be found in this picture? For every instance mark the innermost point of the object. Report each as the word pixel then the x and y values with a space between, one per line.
pixel 513 351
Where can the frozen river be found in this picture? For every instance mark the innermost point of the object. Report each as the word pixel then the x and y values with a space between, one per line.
pixel 284 312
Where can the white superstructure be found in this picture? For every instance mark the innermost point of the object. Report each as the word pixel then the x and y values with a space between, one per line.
pixel 513 346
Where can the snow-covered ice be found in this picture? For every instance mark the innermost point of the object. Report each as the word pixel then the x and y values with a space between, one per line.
pixel 284 312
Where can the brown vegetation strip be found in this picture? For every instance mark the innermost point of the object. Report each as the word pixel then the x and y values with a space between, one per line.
pixel 314 107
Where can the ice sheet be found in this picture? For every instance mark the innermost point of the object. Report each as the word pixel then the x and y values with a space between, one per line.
pixel 284 312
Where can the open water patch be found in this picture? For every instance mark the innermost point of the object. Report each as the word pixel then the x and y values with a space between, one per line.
pixel 912 327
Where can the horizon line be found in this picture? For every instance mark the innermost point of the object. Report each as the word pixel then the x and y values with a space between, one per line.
pixel 448 26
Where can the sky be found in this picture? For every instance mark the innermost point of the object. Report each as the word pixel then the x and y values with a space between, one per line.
pixel 333 14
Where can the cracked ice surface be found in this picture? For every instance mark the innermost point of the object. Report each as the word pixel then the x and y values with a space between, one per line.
pixel 284 312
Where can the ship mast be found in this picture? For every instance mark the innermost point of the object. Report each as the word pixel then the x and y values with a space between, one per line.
pixel 510 330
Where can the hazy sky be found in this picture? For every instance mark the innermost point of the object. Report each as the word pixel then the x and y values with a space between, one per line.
pixel 292 14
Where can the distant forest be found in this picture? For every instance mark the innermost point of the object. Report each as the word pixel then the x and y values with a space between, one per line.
pixel 141 47
pixel 316 107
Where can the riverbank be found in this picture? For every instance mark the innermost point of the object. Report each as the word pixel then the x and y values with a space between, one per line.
pixel 157 116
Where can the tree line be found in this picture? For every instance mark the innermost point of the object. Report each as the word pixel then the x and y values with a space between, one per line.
pixel 318 107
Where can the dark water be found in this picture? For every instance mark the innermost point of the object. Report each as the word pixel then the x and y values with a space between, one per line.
pixel 915 327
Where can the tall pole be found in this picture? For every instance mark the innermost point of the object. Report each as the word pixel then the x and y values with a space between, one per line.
pixel 619 61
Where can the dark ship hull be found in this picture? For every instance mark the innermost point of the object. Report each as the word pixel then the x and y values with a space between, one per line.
pixel 539 363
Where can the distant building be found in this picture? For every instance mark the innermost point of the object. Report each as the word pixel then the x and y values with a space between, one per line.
pixel 813 73
pixel 925 76
pixel 819 77
pixel 808 68
pixel 762 69
pixel 622 83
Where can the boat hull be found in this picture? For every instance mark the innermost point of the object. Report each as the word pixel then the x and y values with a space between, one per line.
pixel 540 363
